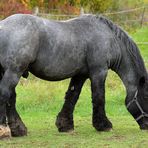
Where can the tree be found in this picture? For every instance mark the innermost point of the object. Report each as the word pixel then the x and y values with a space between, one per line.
pixel 96 6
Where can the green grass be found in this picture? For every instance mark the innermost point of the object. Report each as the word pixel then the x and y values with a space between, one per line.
pixel 38 103
pixel 142 36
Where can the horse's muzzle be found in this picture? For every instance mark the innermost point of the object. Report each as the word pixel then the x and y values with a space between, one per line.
pixel 144 126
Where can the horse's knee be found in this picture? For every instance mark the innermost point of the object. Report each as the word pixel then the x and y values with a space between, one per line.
pixel 4 95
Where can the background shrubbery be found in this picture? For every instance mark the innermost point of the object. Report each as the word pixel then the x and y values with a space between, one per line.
pixel 67 6
pixel 66 9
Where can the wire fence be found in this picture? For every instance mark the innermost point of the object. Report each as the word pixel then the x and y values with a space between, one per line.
pixel 125 17
pixel 133 17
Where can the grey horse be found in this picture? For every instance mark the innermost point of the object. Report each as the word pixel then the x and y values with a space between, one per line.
pixel 81 48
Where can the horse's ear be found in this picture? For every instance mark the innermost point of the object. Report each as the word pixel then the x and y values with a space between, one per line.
pixel 142 81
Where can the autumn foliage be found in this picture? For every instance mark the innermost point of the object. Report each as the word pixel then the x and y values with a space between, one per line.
pixel 8 7
pixel 11 7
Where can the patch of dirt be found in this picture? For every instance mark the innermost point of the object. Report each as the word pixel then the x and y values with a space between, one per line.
pixel 116 137
pixel 5 132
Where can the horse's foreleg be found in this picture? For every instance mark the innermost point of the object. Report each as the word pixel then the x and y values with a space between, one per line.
pixel 7 85
pixel 64 120
pixel 14 121
pixel 100 121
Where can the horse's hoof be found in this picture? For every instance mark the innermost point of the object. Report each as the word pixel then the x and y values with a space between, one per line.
pixel 108 130
pixel 104 129
pixel 66 130
pixel 5 132
pixel 18 131
pixel 104 126
pixel 64 125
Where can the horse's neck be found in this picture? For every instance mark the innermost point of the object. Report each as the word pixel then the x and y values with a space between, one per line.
pixel 129 75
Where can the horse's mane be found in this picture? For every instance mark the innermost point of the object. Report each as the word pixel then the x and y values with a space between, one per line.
pixel 131 47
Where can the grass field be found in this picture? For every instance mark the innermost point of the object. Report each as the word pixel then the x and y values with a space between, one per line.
pixel 38 103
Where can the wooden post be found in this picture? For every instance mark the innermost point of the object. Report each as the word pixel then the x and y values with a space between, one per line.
pixel 81 11
pixel 36 11
pixel 142 18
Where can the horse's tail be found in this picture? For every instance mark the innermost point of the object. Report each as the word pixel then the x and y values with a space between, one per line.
pixel 130 45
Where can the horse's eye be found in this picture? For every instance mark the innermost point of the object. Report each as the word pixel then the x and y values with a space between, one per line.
pixel 142 81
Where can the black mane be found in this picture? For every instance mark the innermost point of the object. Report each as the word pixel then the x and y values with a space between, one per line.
pixel 129 43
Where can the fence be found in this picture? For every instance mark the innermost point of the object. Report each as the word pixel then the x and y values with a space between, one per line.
pixel 131 18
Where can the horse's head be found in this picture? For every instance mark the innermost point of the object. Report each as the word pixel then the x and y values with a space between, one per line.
pixel 138 105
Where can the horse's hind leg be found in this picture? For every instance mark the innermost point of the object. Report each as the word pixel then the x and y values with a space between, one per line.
pixel 7 85
pixel 100 120
pixel 14 121
pixel 64 120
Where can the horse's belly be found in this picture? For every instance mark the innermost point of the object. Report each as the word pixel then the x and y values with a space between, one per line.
pixel 54 70
pixel 63 59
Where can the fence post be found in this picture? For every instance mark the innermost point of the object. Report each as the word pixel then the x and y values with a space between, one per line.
pixel 142 18
pixel 81 11
pixel 36 11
